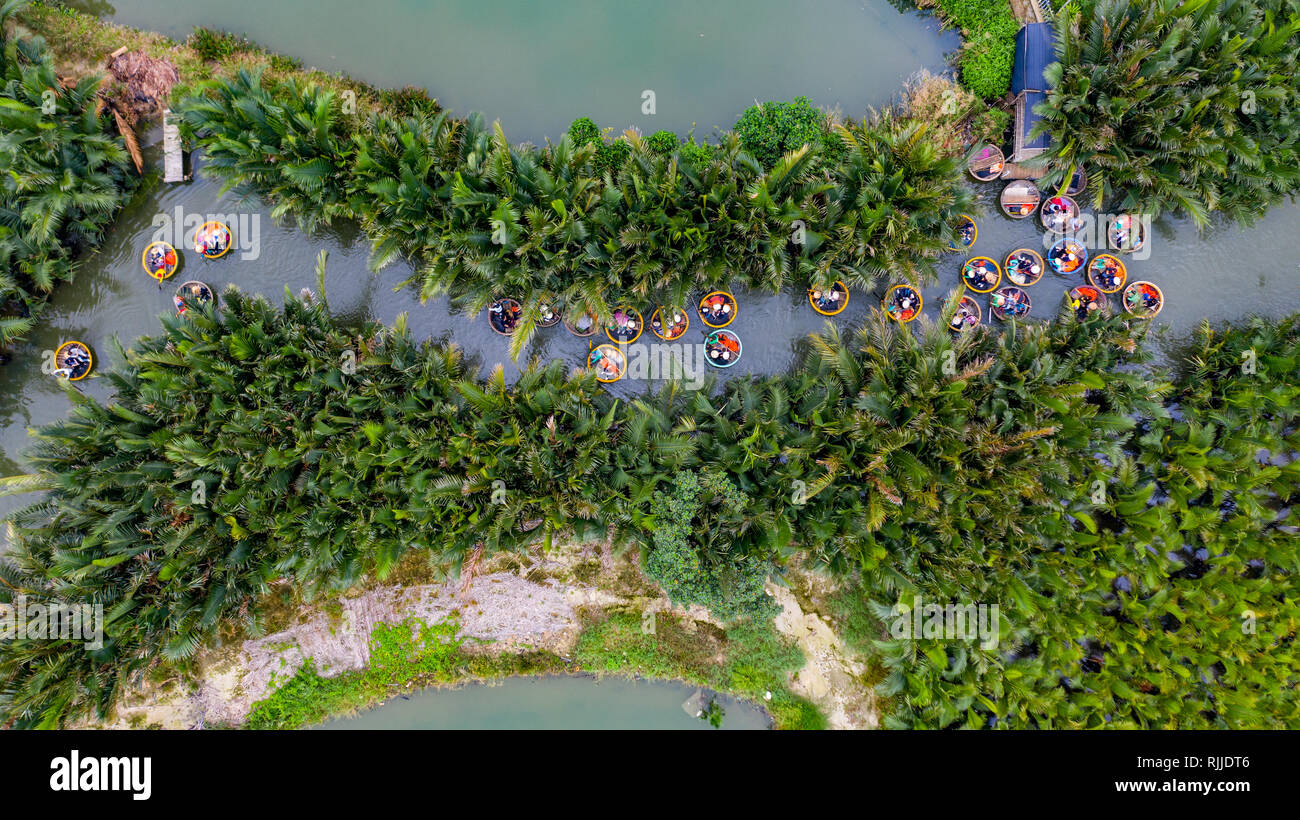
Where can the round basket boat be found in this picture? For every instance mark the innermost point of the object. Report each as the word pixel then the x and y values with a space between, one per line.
pixel 967 233
pixel 586 326
pixel 1010 301
pixel 1107 273
pixel 213 240
pixel 159 260
pixel 627 326
pixel 192 292
pixel 681 322
pixel 722 348
pixel 1024 267
pixel 1143 300
pixel 1067 256
pixel 1078 183
pixel 1086 300
pixel 830 302
pixel 986 163
pixel 968 315
pixel 503 316
pixel 608 361
pixel 1126 233
pixel 981 274
pixel 547 316
pixel 73 361
pixel 1060 214
pixel 903 303
pixel 1020 199
pixel 718 309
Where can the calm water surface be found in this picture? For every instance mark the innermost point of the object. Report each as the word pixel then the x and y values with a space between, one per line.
pixel 553 703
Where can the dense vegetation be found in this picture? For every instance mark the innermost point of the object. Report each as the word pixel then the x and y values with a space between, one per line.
pixel 1171 106
pixel 959 469
pixel 64 176
pixel 989 42
pixel 585 223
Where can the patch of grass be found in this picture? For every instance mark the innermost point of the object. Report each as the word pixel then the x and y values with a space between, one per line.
pixel 411 653
pixel 988 33
pixel 859 628
pixel 748 660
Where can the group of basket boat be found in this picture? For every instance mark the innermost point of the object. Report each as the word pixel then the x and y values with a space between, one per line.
pixel 1061 216
pixel 716 310
pixel 74 360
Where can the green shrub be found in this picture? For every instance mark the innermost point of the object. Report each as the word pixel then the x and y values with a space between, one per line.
pixel 692 559
pixel 989 31
pixel 663 142
pixel 769 130
pixel 214 45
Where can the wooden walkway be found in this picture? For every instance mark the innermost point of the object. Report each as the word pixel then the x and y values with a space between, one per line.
pixel 1027 11
pixel 173 156
pixel 1013 171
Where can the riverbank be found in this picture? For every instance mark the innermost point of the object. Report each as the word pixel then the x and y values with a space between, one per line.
pixel 569 611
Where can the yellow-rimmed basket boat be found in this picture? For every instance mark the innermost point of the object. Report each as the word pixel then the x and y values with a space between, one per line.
pixel 903 303
pixel 159 260
pixel 981 274
pixel 830 302
pixel 73 361
pixel 627 326
pixel 718 309
pixel 608 361
pixel 213 240
pixel 967 233
pixel 1024 267
pixel 1107 273
pixel 681 322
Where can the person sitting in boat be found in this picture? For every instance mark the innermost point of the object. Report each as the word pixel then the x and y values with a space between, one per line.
pixel 903 306
pixel 1023 269
pixel 722 347
pixel 547 314
pixel 1109 275
pixel 1013 304
pixel 606 367
pixel 963 318
pixel 75 360
pixel 1083 303
pixel 967 232
pixel 672 330
pixel 718 307
pixel 827 300
pixel 980 275
pixel 504 316
pixel 161 260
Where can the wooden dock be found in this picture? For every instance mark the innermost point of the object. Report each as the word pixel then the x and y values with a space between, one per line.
pixel 173 156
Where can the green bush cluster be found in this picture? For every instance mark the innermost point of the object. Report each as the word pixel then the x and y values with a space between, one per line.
pixel 770 130
pixel 64 177
pixel 989 35
pixel 694 528
pixel 213 45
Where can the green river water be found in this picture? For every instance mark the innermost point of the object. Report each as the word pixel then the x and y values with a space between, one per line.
pixel 536 67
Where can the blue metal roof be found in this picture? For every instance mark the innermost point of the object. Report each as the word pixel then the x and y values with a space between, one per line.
pixel 1033 98
pixel 1035 50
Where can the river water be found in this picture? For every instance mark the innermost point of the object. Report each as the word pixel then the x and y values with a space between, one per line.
pixel 559 702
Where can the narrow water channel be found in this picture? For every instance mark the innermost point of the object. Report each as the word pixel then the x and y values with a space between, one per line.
pixel 555 703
